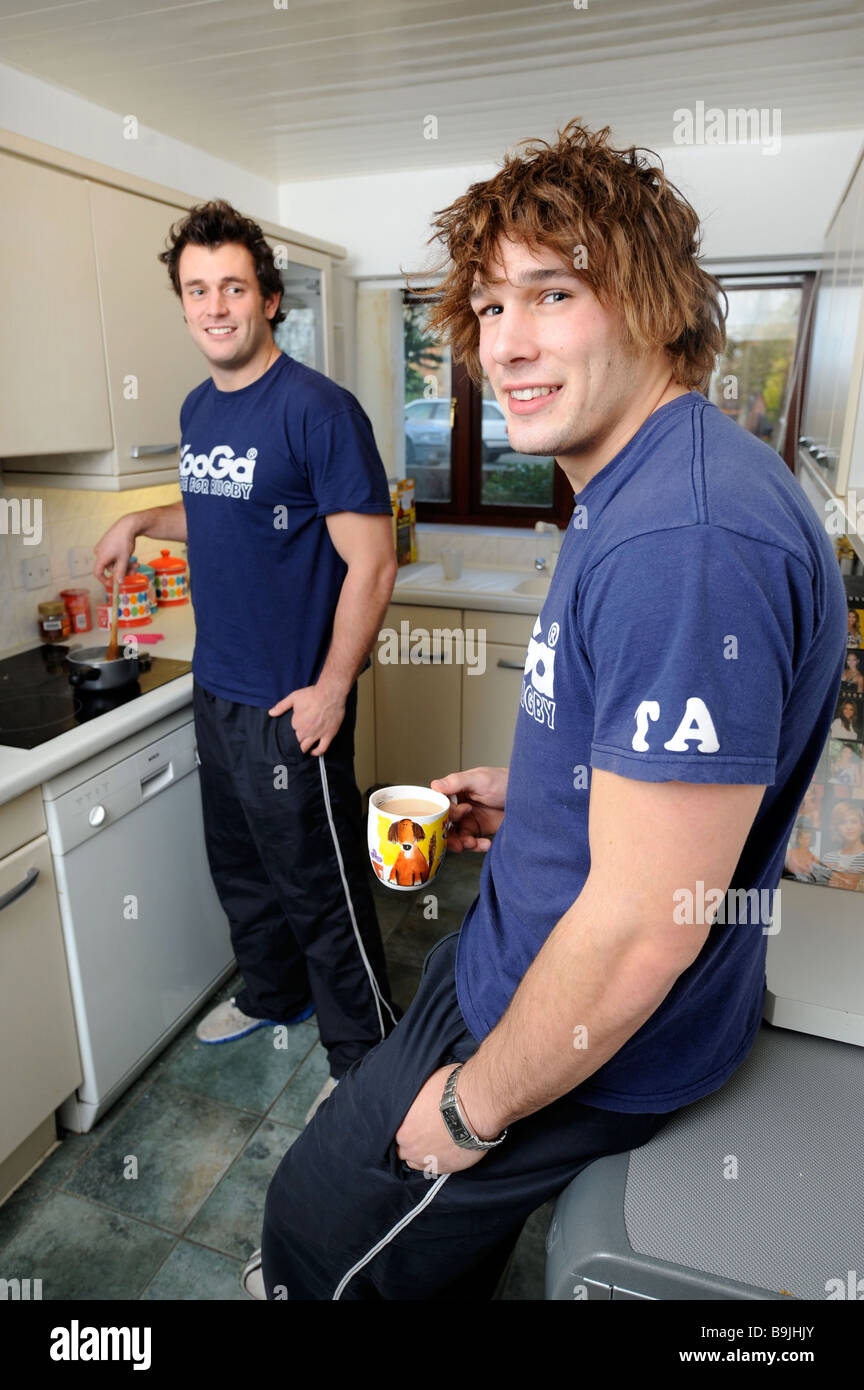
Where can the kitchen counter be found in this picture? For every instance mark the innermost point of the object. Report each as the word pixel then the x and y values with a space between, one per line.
pixel 499 590
pixel 23 768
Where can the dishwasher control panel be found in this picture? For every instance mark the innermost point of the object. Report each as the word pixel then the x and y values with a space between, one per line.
pixel 88 809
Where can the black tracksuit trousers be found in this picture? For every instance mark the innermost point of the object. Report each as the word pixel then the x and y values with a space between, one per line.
pixel 288 859
pixel 345 1218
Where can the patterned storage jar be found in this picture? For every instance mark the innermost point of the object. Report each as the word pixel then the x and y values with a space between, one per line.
pixel 172 579
pixel 134 604
pixel 150 575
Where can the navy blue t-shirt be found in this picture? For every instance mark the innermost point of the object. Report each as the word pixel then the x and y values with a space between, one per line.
pixel 260 469
pixel 694 631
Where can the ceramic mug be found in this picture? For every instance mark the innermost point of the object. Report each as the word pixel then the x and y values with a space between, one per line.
pixel 406 850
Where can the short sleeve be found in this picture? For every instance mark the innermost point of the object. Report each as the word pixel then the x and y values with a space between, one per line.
pixel 691 635
pixel 346 473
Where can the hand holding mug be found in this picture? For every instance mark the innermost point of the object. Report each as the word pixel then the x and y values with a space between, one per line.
pixel 479 807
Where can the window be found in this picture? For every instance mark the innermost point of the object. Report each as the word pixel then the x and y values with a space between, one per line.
pixel 456 445
pixel 510 479
pixel 753 382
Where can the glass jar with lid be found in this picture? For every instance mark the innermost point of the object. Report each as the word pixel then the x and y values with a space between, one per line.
pixel 54 621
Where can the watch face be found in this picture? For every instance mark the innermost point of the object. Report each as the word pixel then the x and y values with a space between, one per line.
pixel 453 1121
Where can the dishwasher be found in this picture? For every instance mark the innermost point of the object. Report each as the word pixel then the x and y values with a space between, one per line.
pixel 147 941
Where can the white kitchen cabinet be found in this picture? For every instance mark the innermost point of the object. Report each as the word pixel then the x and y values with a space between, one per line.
pixel 432 718
pixel 52 356
pixel 38 1040
pixel 95 357
pixel 418 713
pixel 153 362
pixel 364 732
pixel 490 702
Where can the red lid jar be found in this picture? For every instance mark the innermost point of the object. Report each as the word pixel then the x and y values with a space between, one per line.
pixel 134 601
pixel 172 580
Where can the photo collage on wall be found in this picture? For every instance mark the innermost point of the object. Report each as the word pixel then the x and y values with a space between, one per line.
pixel 827 841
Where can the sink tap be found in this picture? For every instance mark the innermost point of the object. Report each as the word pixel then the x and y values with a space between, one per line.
pixel 543 528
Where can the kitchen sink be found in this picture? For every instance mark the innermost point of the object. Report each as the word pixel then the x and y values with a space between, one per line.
pixel 469 581
pixel 537 586
pixel 496 583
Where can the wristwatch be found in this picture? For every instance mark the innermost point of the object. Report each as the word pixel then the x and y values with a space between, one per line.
pixel 460 1131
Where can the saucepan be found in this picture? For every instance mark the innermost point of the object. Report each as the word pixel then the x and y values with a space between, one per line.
pixel 89 670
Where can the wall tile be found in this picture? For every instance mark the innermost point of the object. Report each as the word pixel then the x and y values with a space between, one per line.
pixel 524 551
pixel 8 623
pixel 486 550
pixel 70 517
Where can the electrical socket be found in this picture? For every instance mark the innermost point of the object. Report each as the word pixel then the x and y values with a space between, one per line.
pixel 80 561
pixel 37 572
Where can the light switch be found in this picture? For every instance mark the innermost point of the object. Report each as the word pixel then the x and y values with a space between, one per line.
pixel 80 561
pixel 37 571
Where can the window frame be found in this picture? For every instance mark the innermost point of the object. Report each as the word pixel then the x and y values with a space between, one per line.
pixel 767 277
pixel 466 508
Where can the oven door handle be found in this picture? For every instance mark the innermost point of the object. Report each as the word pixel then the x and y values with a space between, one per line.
pixel 20 889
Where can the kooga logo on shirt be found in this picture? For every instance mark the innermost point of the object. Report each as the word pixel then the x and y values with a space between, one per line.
pixel 220 473
pixel 538 696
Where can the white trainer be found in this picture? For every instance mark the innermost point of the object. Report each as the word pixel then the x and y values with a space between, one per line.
pixel 252 1277
pixel 226 1022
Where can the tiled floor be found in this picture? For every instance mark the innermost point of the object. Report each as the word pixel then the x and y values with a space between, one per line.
pixel 163 1199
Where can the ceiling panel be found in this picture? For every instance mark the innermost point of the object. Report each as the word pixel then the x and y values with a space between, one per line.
pixel 323 88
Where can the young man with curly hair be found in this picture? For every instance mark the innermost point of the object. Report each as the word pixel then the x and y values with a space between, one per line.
pixel 286 509
pixel 678 689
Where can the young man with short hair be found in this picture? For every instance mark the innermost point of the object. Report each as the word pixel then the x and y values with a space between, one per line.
pixel 286 509
pixel 678 689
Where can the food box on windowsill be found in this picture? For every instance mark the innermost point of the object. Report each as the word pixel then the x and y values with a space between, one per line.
pixel 404 519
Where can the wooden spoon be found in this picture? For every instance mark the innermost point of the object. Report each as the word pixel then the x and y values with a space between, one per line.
pixel 112 651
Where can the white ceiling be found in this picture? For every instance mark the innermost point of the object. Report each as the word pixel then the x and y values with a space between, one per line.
pixel 324 88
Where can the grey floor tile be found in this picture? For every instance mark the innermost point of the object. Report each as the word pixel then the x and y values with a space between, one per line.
pixel 458 880
pixel 182 1143
pixel 415 936
pixel 193 1274
pixel 73 1149
pixel 72 1155
pixel 79 1250
pixel 17 1210
pixel 230 1219
pixel 390 906
pixel 291 1107
pixel 249 1072
pixel 525 1281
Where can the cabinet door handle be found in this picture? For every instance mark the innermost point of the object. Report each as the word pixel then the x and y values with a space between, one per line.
pixel 145 451
pixel 511 665
pixel 20 889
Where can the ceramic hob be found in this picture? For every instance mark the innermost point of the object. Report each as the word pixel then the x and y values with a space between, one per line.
pixel 37 702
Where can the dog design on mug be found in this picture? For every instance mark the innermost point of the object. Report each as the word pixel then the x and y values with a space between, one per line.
pixel 411 866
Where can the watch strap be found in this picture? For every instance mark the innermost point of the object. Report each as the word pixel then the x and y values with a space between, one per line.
pixel 456 1121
